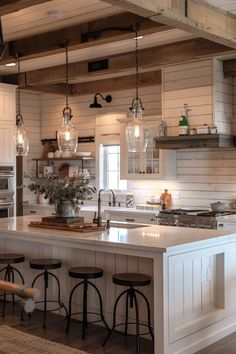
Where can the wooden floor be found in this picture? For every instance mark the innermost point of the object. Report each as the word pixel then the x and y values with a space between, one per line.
pixel 95 335
pixel 55 331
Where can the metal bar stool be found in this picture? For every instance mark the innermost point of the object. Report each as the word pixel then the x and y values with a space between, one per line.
pixel 9 273
pixel 86 273
pixel 45 264
pixel 131 280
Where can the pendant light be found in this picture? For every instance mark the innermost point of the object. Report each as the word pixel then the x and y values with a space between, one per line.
pixel 135 132
pixel 67 135
pixel 22 140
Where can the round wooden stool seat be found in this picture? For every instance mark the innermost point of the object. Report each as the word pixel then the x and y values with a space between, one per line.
pixel 131 279
pixel 45 263
pixel 86 272
pixel 9 258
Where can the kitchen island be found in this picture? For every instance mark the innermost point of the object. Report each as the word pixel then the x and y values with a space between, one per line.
pixel 194 274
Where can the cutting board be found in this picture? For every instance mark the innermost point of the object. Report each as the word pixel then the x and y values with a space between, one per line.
pixel 77 227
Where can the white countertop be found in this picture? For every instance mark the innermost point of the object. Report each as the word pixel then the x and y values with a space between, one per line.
pixel 151 238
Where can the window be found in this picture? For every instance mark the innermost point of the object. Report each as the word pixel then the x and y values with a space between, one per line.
pixel 109 171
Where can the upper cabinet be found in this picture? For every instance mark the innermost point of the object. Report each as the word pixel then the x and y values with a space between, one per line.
pixel 7 124
pixel 152 164
pixel 7 103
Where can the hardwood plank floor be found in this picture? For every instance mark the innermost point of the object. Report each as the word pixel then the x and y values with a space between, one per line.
pixel 55 331
pixel 95 335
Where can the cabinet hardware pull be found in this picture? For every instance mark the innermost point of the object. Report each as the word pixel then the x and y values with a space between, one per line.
pixel 127 219
pixel 32 211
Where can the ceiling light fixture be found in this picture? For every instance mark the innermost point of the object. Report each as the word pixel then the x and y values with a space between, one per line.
pixel 95 103
pixel 22 140
pixel 135 131
pixel 67 135
pixel 10 64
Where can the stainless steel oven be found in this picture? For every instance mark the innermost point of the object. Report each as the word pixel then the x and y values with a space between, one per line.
pixel 7 189
pixel 6 179
pixel 6 210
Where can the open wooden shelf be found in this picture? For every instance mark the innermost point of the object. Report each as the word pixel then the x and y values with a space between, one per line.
pixel 79 158
pixel 196 141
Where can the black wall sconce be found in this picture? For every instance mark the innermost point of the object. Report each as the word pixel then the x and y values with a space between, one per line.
pixel 95 103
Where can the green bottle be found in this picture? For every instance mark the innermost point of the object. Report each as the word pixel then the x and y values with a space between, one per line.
pixel 183 122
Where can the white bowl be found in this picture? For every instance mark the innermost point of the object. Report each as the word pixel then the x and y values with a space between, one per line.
pixel 83 154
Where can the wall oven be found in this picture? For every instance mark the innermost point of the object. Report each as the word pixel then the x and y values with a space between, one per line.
pixel 6 179
pixel 7 189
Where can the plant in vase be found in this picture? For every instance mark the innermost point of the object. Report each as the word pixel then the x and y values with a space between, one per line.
pixel 66 193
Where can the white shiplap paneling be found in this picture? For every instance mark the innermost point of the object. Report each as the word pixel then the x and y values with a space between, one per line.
pixel 204 175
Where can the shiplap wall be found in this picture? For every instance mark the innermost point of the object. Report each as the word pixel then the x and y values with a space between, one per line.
pixel 204 175
pixel 31 112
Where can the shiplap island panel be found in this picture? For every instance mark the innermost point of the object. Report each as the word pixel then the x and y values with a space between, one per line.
pixel 192 296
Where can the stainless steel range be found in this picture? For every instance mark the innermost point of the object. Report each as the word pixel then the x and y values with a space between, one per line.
pixel 196 218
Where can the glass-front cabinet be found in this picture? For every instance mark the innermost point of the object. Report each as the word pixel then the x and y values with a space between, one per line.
pixel 152 164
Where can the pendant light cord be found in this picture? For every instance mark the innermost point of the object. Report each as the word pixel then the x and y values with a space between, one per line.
pixel 136 63
pixel 67 76
pixel 18 88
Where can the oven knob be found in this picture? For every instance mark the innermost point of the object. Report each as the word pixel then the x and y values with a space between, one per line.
pixel 180 224
pixel 192 225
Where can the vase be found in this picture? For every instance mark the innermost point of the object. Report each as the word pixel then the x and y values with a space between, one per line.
pixel 65 209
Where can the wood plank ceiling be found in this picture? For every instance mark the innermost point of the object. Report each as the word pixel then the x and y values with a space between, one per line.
pixel 94 29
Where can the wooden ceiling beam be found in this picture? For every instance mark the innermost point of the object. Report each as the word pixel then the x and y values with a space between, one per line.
pixel 229 67
pixel 195 16
pixel 118 65
pixel 9 6
pixel 117 83
pixel 106 30
pixel 108 85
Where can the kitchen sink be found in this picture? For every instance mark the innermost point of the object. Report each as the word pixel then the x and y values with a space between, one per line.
pixel 124 225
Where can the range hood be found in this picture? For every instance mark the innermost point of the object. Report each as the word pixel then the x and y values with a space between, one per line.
pixel 196 141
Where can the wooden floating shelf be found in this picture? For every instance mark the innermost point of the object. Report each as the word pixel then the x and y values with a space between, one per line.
pixel 196 141
pixel 66 158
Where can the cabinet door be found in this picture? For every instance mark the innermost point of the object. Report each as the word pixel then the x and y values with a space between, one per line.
pixel 152 164
pixel 7 147
pixel 7 103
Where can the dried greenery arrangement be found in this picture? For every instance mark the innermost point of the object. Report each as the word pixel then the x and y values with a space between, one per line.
pixel 62 189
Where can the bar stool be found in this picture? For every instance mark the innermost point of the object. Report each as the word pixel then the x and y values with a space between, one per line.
pixel 86 273
pixel 45 264
pixel 131 280
pixel 9 273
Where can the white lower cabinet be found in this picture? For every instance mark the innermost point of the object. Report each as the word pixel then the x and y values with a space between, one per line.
pixel 131 217
pixel 40 209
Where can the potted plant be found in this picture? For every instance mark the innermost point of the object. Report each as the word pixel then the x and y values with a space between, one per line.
pixel 66 193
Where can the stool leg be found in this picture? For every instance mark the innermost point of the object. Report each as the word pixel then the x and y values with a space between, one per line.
pixel 137 322
pixel 12 279
pixel 148 312
pixel 114 316
pixel 19 273
pixel 6 275
pixel 101 306
pixel 70 301
pixel 126 313
pixel 45 298
pixel 59 293
pixel 85 308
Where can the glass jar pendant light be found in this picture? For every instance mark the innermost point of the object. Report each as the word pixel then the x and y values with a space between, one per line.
pixel 67 135
pixel 22 140
pixel 135 131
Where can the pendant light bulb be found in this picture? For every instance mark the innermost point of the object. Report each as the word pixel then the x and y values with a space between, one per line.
pixel 21 137
pixel 67 135
pixel 135 131
pixel 22 140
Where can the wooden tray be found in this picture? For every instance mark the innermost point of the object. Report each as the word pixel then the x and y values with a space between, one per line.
pixel 56 220
pixel 78 227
